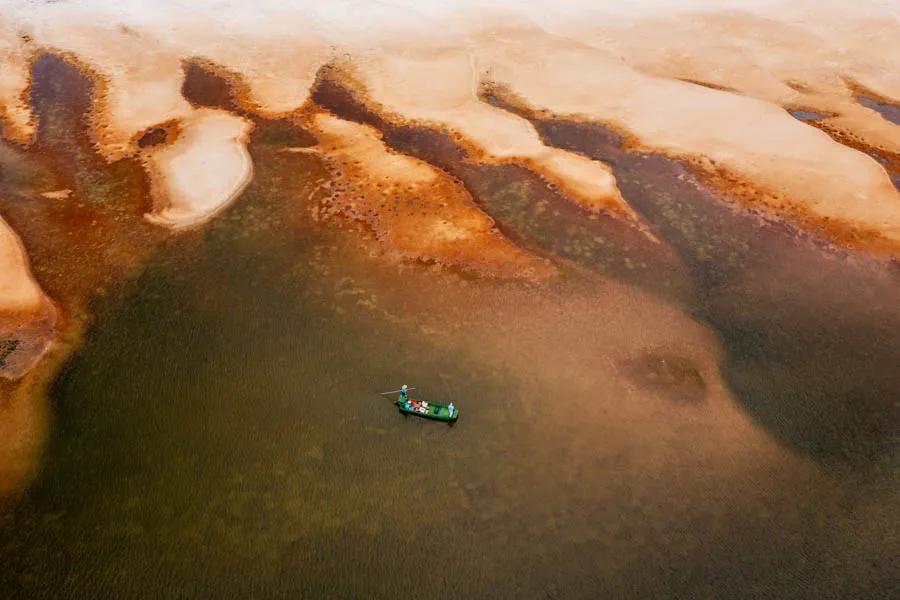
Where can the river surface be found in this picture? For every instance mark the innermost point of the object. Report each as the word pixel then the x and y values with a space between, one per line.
pixel 627 430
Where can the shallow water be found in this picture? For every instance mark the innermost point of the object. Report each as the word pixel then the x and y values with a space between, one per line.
pixel 811 359
pixel 703 417
pixel 219 435
pixel 890 112
pixel 806 115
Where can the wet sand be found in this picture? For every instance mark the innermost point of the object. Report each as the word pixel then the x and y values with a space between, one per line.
pixel 414 208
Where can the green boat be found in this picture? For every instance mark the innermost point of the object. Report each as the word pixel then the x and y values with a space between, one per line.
pixel 428 410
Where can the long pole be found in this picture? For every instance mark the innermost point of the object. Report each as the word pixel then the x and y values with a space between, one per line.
pixel 394 392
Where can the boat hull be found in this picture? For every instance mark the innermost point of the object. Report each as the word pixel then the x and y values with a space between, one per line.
pixel 428 410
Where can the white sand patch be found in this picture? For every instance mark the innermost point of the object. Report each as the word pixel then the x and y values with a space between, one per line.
pixel 202 172
pixel 20 294
pixel 57 194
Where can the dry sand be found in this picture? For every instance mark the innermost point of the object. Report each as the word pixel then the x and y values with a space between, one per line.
pixel 19 292
pixel 707 81
pixel 756 140
pixel 404 85
pixel 619 63
pixel 202 171
pixel 27 316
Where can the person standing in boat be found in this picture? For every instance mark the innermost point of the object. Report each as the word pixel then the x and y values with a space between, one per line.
pixel 404 394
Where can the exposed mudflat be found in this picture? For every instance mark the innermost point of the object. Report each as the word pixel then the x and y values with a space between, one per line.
pixel 650 250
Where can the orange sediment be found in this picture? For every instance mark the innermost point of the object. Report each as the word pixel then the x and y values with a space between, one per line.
pixel 416 210
pixel 402 89
pixel 700 98
pixel 696 91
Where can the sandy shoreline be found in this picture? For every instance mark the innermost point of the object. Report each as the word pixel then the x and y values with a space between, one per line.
pixel 426 65
pixel 27 316
pixel 709 84
pixel 414 208
pixel 20 294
